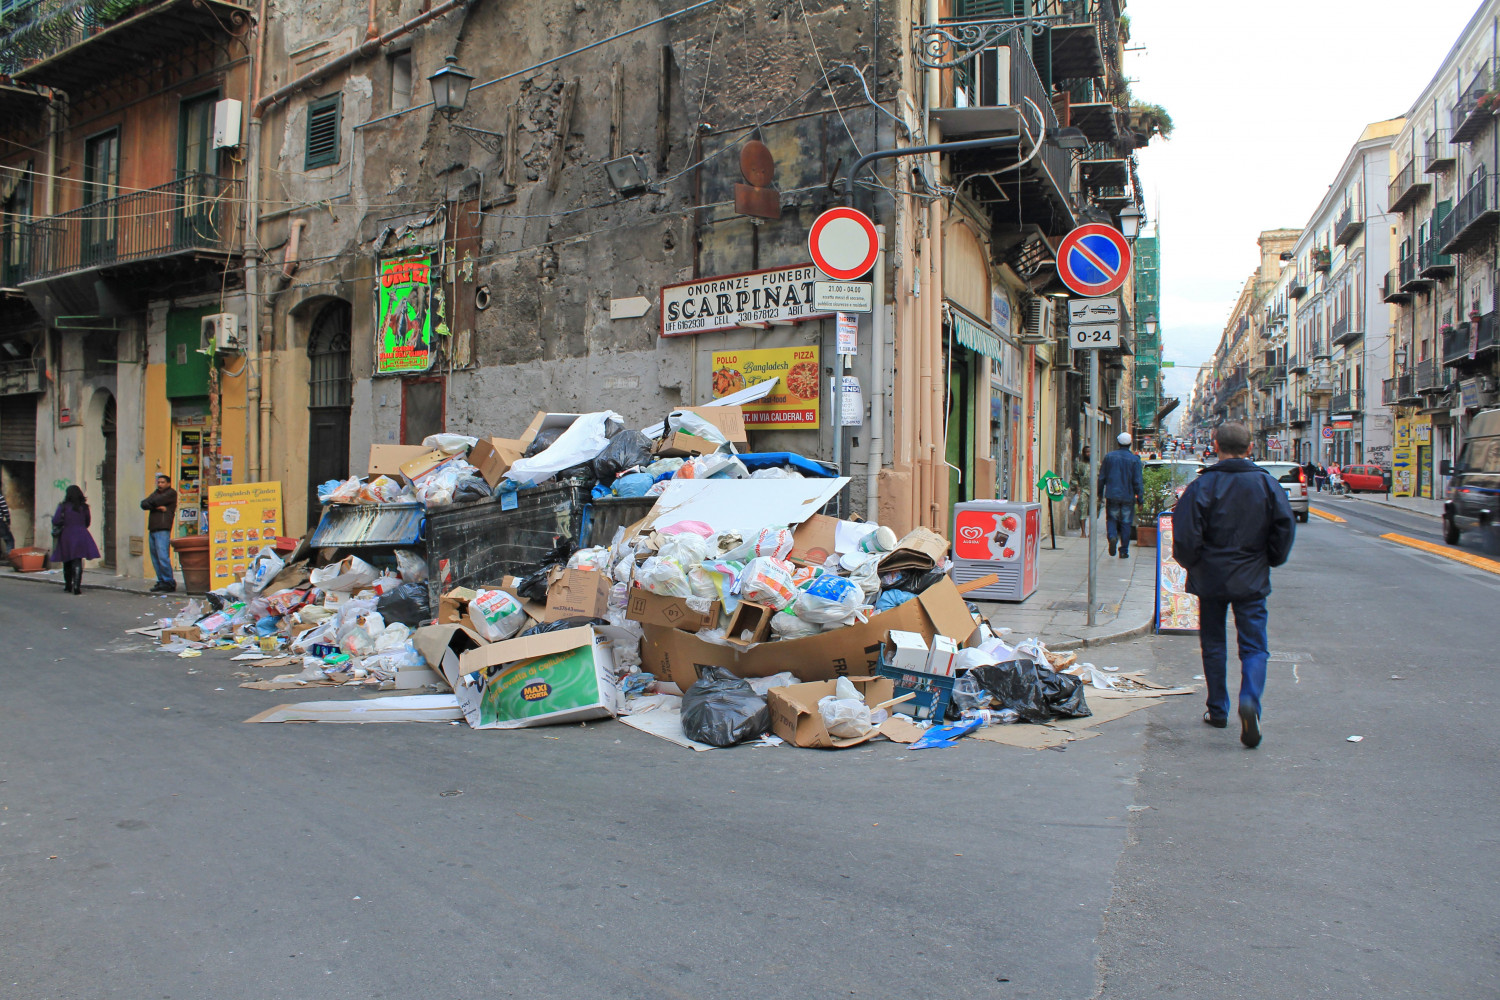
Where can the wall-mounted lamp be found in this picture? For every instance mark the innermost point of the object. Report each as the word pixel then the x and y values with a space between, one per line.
pixel 450 87
pixel 1130 221
pixel 1071 138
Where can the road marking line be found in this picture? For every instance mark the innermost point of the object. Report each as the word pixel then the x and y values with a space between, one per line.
pixel 1326 515
pixel 1457 555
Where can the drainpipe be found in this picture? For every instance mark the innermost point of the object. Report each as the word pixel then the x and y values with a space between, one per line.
pixel 876 455
pixel 372 44
pixel 289 261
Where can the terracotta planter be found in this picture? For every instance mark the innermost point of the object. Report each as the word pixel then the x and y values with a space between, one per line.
pixel 192 554
pixel 1145 537
pixel 29 560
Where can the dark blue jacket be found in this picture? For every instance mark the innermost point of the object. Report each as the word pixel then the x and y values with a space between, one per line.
pixel 1231 526
pixel 1120 476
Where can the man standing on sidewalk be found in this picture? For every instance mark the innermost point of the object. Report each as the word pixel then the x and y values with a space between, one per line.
pixel 7 540
pixel 1231 526
pixel 1123 484
pixel 163 511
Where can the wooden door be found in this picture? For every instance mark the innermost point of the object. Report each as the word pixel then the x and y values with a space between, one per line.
pixel 328 402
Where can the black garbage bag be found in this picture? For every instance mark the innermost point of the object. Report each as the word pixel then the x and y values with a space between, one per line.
pixel 407 604
pixel 1035 693
pixel 562 623
pixel 721 710
pixel 532 586
pixel 543 440
pixel 625 450
pixel 581 475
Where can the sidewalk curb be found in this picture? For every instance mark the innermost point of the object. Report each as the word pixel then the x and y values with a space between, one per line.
pixel 1396 506
pixel 34 578
pixel 1089 642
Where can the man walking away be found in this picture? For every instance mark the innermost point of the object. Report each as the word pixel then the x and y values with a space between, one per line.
pixel 1123 483
pixel 7 540
pixel 163 511
pixel 1231 526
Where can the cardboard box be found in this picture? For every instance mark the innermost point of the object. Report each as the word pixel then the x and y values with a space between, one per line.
pixel 907 650
pixel 420 466
pixel 540 680
pixel 940 657
pixel 921 549
pixel 190 633
pixel 387 459
pixel 416 678
pixel 854 650
pixel 578 593
pixel 750 623
pixel 669 612
pixel 493 457
pixel 544 421
pixel 454 605
pixel 442 646
pixel 796 719
pixel 730 420
pixel 814 540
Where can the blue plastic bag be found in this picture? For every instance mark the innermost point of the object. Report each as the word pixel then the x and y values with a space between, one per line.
pixel 946 736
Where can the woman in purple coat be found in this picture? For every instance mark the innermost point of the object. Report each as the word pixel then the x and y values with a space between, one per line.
pixel 72 541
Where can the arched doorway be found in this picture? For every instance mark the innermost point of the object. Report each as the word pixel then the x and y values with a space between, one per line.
pixel 328 400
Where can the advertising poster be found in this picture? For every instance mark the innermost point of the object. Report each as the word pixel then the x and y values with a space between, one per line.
pixel 241 521
pixel 403 334
pixel 793 404
pixel 1176 609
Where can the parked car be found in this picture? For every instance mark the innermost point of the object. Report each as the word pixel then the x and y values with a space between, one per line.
pixel 1184 471
pixel 1367 478
pixel 1473 499
pixel 1293 479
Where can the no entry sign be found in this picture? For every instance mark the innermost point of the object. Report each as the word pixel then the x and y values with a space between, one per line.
pixel 843 243
pixel 1094 260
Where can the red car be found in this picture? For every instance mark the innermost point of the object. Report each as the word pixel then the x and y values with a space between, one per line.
pixel 1365 478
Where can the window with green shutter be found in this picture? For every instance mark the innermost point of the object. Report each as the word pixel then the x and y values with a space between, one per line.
pixel 322 132
pixel 973 10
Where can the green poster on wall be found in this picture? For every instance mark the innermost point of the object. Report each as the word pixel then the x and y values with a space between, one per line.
pixel 403 338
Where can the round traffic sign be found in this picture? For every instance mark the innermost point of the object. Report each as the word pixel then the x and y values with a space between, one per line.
pixel 843 243
pixel 1094 259
pixel 1328 433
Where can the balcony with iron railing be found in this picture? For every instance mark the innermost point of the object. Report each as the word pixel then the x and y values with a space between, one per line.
pixel 1296 416
pixel 1411 278
pixel 1473 220
pixel 1322 258
pixel 1431 261
pixel 1349 225
pixel 1348 401
pixel 1296 286
pixel 1295 365
pixel 1390 287
pixel 1466 339
pixel 193 216
pixel 1396 391
pixel 1409 185
pixel 1472 114
pixel 1440 155
pixel 1345 331
pixel 75 45
pixel 1430 376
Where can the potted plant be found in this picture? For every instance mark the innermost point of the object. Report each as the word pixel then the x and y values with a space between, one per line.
pixel 1157 496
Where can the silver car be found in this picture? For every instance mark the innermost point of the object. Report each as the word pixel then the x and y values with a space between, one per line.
pixel 1293 478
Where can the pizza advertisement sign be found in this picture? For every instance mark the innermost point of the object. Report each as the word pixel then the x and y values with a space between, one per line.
pixel 403 336
pixel 793 404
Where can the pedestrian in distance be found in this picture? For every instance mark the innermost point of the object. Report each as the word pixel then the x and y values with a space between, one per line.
pixel 7 540
pixel 1122 481
pixel 163 511
pixel 72 543
pixel 1231 526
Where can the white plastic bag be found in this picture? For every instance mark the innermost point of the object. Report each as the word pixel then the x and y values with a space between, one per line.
pixel 449 444
pixel 412 567
pixel 829 599
pixel 263 570
pixel 760 685
pixel 768 581
pixel 787 625
pixel 495 615
pixel 776 542
pixel 684 547
pixel 845 714
pixel 663 576
pixel 190 613
pixel 345 577
pixel 692 423
pixel 968 659
pixel 595 558
pixel 584 439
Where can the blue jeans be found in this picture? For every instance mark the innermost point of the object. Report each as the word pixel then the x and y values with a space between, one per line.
pixel 1119 522
pixel 161 557
pixel 1250 626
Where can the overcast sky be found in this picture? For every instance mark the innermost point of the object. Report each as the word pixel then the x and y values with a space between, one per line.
pixel 1266 101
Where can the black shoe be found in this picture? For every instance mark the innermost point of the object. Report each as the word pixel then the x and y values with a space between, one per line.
pixel 1111 546
pixel 1124 554
pixel 1208 717
pixel 158 587
pixel 78 589
pixel 1249 727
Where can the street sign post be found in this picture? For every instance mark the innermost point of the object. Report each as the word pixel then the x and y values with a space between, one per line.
pixel 1094 336
pixel 843 243
pixel 844 296
pixel 1056 487
pixel 1093 260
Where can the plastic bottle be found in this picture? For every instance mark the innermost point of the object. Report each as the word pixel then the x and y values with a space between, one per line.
pixel 882 539
pixel 993 716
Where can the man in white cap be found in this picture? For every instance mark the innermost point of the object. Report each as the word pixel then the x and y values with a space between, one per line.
pixel 1123 484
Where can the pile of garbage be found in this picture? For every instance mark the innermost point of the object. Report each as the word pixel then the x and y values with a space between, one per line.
pixel 731 613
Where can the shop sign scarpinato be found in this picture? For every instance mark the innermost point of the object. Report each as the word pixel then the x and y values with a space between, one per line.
pixel 778 295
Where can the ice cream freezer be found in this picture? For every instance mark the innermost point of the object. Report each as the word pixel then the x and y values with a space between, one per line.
pixel 1000 537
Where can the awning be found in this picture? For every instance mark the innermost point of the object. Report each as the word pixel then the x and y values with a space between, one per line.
pixel 977 338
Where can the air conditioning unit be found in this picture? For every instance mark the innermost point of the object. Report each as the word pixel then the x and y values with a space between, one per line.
pixel 1062 356
pixel 227 124
pixel 1040 319
pixel 221 333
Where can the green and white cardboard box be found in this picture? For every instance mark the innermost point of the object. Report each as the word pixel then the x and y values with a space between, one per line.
pixel 541 680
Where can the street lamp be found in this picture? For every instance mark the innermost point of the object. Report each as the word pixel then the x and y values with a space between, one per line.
pixel 450 87
pixel 1150 327
pixel 1071 138
pixel 1130 221
pixel 1400 357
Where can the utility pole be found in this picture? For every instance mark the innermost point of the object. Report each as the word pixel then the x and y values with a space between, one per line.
pixel 1093 418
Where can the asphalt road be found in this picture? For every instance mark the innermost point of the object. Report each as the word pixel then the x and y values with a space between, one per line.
pixel 153 845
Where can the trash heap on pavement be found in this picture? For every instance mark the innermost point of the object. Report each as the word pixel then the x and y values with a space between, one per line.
pixel 727 613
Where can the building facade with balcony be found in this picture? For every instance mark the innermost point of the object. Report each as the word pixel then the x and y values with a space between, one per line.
pixel 1444 362
pixel 1343 319
pixel 121 230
